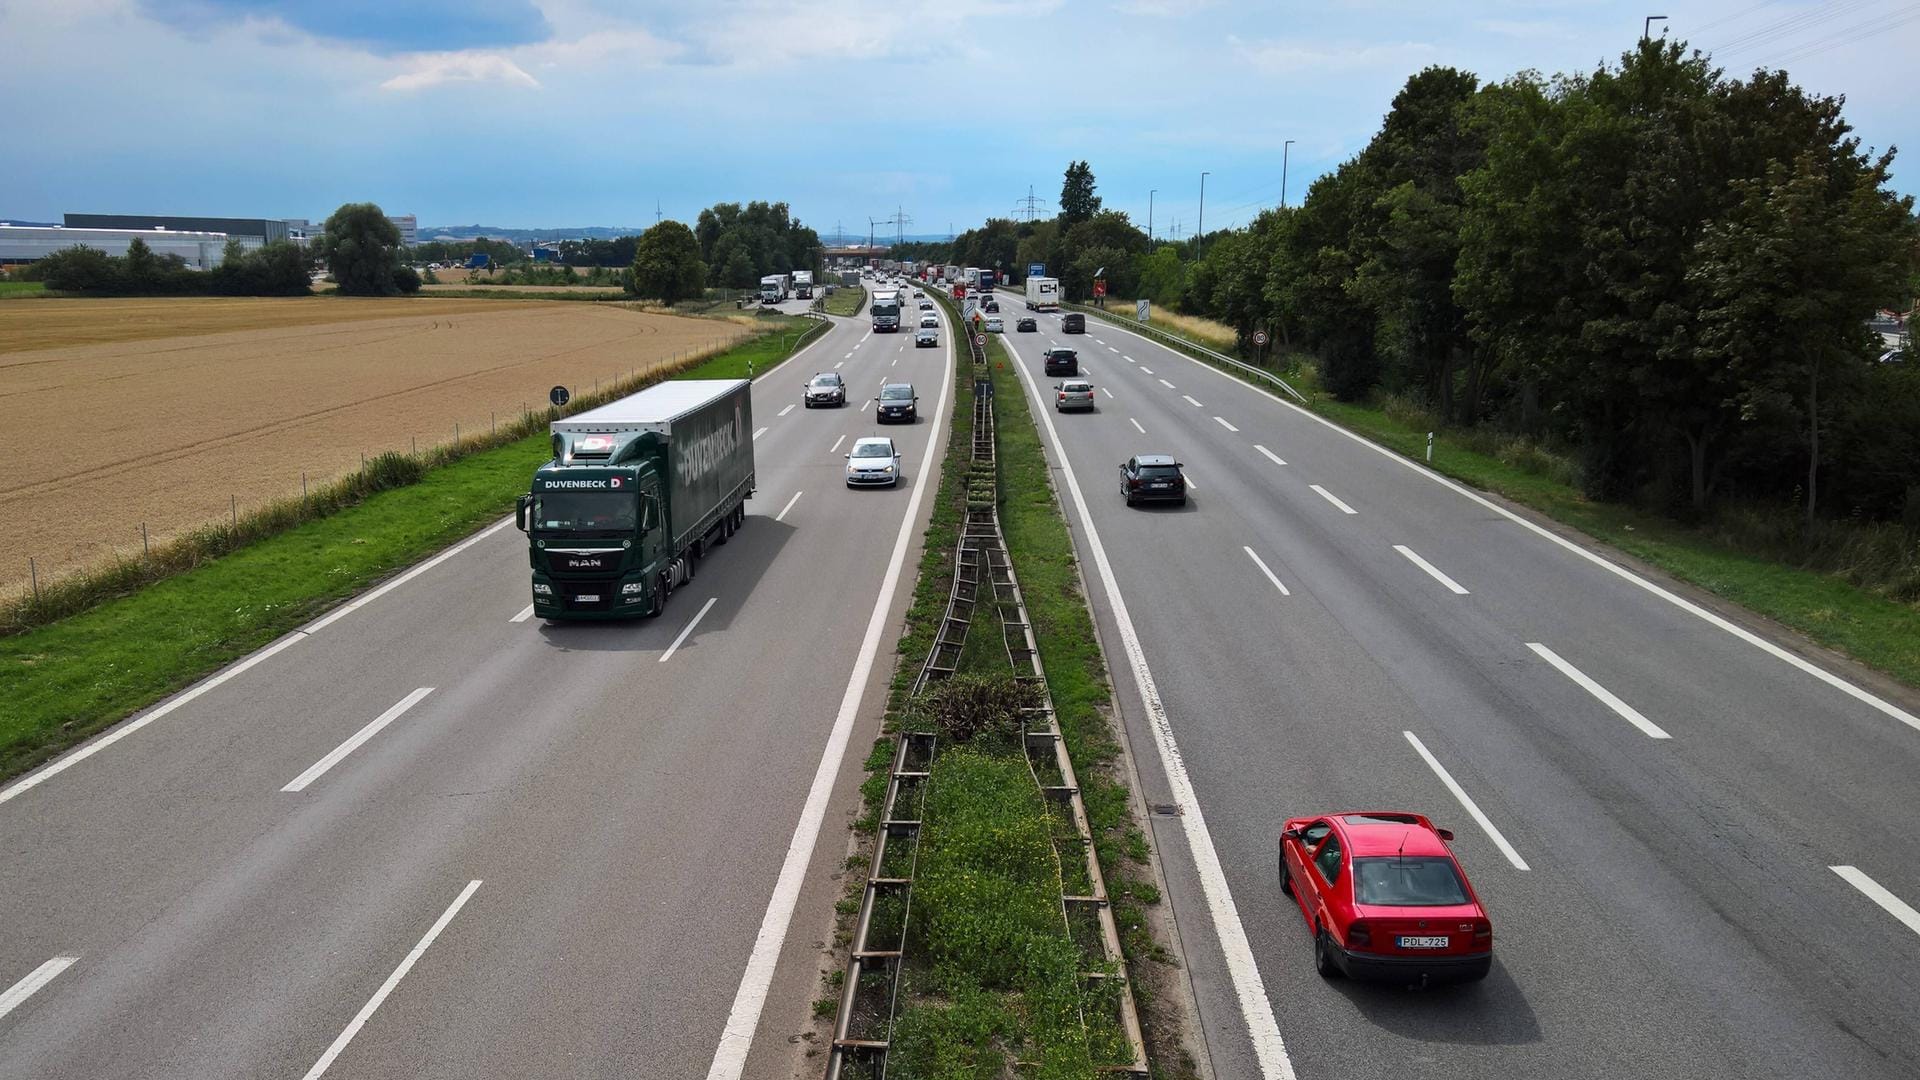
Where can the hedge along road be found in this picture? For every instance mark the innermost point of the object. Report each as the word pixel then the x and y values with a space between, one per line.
pixel 424 836
pixel 1691 837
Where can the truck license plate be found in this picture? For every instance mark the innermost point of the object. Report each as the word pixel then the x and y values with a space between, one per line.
pixel 1423 942
pixel 587 598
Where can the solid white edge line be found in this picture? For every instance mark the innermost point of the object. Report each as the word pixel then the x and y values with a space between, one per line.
pixel 796 498
pixel 1136 425
pixel 688 629
pixel 784 411
pixel 1262 564
pixel 758 433
pixel 1606 697
pixel 1271 456
pixel 33 981
pixel 1334 499
pixel 1223 423
pixel 524 614
pixel 1414 558
pixel 366 1011
pixel 1472 808
pixel 1263 1030
pixel 736 1037
pixel 1874 891
pixel 1859 694
pixel 319 768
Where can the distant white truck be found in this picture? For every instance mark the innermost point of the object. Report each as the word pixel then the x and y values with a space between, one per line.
pixel 1043 294
pixel 803 284
pixel 774 288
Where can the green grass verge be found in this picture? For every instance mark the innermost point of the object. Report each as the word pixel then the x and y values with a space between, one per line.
pixel 1880 632
pixel 11 289
pixel 68 679
pixel 846 300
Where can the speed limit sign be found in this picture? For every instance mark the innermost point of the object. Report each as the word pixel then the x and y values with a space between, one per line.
pixel 1259 337
pixel 980 340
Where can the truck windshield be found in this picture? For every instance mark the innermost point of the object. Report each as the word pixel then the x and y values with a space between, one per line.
pixel 612 513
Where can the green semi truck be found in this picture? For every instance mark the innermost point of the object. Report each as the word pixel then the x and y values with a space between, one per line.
pixel 637 492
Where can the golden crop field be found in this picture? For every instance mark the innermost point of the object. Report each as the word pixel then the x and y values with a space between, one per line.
pixel 118 412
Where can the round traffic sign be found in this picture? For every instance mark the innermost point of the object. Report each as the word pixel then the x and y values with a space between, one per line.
pixel 980 340
pixel 1259 337
pixel 559 396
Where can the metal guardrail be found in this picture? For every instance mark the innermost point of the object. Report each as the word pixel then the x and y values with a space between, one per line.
pixel 1176 341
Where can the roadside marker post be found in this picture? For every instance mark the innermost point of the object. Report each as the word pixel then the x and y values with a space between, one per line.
pixel 1429 447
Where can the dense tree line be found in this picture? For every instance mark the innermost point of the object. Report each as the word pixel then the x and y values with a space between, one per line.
pixel 278 269
pixel 498 252
pixel 1662 271
pixel 742 244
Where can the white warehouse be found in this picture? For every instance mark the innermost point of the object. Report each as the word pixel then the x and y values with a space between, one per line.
pixel 30 243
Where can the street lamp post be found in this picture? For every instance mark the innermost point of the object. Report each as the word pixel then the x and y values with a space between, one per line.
pixel 1646 26
pixel 1150 196
pixel 1285 149
pixel 1200 228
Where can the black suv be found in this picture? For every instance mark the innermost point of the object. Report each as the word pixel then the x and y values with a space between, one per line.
pixel 1025 326
pixel 1152 478
pixel 896 402
pixel 825 388
pixel 1073 323
pixel 1062 362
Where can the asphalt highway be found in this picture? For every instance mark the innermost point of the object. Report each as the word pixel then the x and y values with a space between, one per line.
pixel 427 836
pixel 1694 833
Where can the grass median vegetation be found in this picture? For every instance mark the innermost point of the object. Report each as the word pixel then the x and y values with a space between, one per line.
pixel 74 676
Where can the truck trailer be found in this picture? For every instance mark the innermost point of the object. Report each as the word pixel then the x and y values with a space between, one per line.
pixel 885 310
pixel 637 492
pixel 1043 294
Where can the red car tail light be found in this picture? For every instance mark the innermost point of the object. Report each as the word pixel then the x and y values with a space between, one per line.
pixel 1063 395
pixel 1359 936
pixel 1483 934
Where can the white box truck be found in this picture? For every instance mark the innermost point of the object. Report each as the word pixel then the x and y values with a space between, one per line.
pixel 1043 294
pixel 803 284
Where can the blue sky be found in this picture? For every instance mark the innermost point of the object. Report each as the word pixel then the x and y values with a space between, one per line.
pixel 532 113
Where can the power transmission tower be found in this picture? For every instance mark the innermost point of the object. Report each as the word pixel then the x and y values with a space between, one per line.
pixel 656 211
pixel 1029 207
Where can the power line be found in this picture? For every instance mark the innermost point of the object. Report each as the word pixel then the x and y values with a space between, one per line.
pixel 1790 26
pixel 1856 32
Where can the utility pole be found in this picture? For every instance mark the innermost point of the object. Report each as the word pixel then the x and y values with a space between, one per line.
pixel 1150 196
pixel 656 211
pixel 1200 229
pixel 1646 26
pixel 1285 149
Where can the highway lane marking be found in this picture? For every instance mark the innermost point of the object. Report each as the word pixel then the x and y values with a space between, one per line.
pixel 849 356
pixel 1129 359
pixel 1875 892
pixel 1607 698
pixel 1334 499
pixel 1473 808
pixel 1136 425
pixel 1097 341
pixel 895 360
pixel 355 741
pixel 836 444
pixel 759 433
pixel 34 980
pixel 796 498
pixel 786 410
pixel 837 366
pixel 1414 557
pixel 1107 392
pixel 863 338
pixel 55 768
pixel 736 1038
pixel 1149 371
pixel 1187 475
pixel 1221 422
pixel 864 404
pixel 1271 456
pixel 1250 991
pixel 366 1011
pixel 1192 402
pixel 525 614
pixel 1860 694
pixel 697 616
pixel 1262 564
pixel 1166 384
pixel 1110 348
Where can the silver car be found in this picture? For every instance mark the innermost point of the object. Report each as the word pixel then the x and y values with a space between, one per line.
pixel 929 320
pixel 1073 394
pixel 995 326
pixel 926 335
pixel 873 462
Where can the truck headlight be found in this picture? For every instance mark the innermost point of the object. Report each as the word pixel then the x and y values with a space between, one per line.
pixel 631 587
pixel 542 590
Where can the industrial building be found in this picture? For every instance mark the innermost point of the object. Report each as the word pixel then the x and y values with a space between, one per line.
pixel 201 250
pixel 254 232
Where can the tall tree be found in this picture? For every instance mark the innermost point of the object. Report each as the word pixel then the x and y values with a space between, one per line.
pixel 362 250
pixel 1077 200
pixel 666 264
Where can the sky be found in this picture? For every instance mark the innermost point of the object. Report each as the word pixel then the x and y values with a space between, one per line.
pixel 553 113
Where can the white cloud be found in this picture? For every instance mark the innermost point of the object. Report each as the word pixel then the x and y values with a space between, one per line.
pixel 1290 56
pixel 434 69
pixel 1160 9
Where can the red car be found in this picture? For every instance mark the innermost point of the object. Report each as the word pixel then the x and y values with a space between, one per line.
pixel 1385 898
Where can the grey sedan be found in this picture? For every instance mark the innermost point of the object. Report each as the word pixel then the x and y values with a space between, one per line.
pixel 1073 394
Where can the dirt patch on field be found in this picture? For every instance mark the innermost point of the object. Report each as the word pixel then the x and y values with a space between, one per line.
pixel 576 290
pixel 164 422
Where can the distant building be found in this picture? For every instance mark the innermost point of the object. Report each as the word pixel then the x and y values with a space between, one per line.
pixel 409 226
pixel 301 231
pixel 260 231
pixel 201 250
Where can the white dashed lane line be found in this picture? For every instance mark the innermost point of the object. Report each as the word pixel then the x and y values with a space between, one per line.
pixel 1222 422
pixel 1332 498
pixel 1414 557
pixel 1625 711
pixel 1136 425
pixel 1262 564
pixel 1270 455
pixel 33 981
